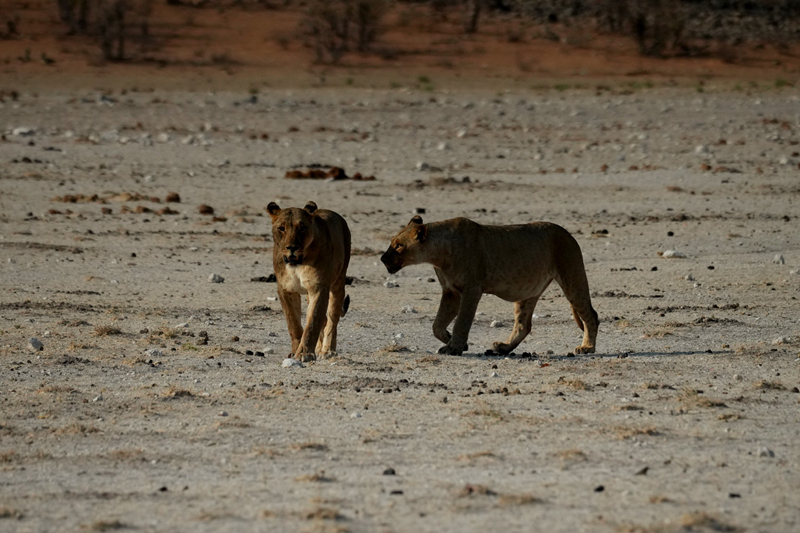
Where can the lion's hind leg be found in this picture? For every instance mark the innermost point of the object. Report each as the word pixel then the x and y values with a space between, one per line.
pixel 585 316
pixel 523 314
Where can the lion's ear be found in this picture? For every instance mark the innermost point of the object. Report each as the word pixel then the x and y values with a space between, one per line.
pixel 273 209
pixel 421 233
pixel 416 220
pixel 310 208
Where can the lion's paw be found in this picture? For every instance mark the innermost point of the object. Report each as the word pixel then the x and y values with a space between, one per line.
pixel 306 357
pixel 584 350
pixel 501 348
pixel 449 349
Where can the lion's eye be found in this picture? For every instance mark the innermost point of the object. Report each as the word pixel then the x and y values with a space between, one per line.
pixel 281 229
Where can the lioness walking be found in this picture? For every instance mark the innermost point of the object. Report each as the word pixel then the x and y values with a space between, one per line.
pixel 310 255
pixel 516 263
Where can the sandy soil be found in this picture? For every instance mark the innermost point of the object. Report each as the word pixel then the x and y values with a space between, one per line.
pixel 686 418
pixel 159 403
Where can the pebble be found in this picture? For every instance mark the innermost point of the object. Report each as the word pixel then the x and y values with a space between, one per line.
pixel 389 472
pixel 496 324
pixel 290 363
pixel 98 398
pixel 389 284
pixel 738 377
pixel 215 278
pixel 673 254
pixel 494 375
pixel 223 413
pixel 781 340
pixel 355 415
pixel 23 132
pixel 399 336
pixel 153 352
pixel 701 149
pixel 408 309
pixel 763 451
pixel 183 325
pixel 779 260
pixel 689 277
pixel 422 166
pixel 35 345
pixel 269 351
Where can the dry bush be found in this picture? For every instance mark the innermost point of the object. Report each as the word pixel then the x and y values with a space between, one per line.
pixel 334 27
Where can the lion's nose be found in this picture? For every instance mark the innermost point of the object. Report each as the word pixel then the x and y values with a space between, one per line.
pixel 292 249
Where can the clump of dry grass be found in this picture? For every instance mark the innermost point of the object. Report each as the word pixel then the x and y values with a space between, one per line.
pixel 324 513
pixel 630 407
pixel 317 477
pixel 8 457
pixel 769 385
pixel 692 397
pixel 729 416
pixel 472 490
pixel 313 446
pixel 657 333
pixel 573 455
pixel 509 500
pixel 107 525
pixel 477 455
pixel 624 433
pixel 105 330
pixel 394 348
pixel 177 392
pixel 702 520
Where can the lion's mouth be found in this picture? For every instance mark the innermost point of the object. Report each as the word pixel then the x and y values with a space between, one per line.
pixel 292 260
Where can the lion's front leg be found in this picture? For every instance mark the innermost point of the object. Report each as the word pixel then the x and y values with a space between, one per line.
pixel 290 302
pixel 448 309
pixel 315 321
pixel 523 314
pixel 466 314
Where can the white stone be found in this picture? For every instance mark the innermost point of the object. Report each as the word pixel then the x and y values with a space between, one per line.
pixel 781 340
pixel 779 260
pixel 355 415
pixel 738 377
pixel 389 284
pixel 35 345
pixel 269 351
pixel 154 352
pixel 23 132
pixel 496 324
pixel 215 278
pixel 673 254
pixel 409 309
pixel 763 451
pixel 98 398
pixel 701 149
pixel 494 375
pixel 291 363
pixel 689 277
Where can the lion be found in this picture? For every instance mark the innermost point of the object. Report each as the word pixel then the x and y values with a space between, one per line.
pixel 516 263
pixel 310 256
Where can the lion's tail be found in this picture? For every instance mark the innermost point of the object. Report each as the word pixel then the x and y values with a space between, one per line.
pixel 345 305
pixel 578 319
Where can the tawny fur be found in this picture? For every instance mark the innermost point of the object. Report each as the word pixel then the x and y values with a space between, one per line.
pixel 516 263
pixel 310 255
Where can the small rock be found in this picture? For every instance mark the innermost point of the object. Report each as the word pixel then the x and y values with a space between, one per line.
pixel 223 413
pixel 35 345
pixel 689 277
pixel 173 197
pixel 496 324
pixel 779 260
pixel 23 132
pixel 153 352
pixel 408 309
pixel 183 325
pixel 205 210
pixel 389 472
pixel 763 451
pixel 389 284
pixel 738 377
pixel 443 146
pixel 98 398
pixel 494 375
pixel 269 351
pixel 355 415
pixel 701 149
pixel 673 254
pixel 399 336
pixel 215 278
pixel 423 166
pixel 290 363
pixel 781 340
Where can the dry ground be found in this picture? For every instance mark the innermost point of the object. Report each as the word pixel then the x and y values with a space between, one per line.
pixel 685 420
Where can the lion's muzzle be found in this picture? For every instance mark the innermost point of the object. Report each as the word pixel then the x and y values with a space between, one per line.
pixel 392 261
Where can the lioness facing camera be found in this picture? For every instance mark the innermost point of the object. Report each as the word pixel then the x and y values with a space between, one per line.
pixel 310 256
pixel 516 263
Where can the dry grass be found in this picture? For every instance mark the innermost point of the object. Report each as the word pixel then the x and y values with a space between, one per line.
pixel 472 490
pixel 8 457
pixel 10 512
pixel 106 330
pixel 429 359
pixel 572 455
pixel 176 392
pixel 317 477
pixel 75 429
pixel 729 416
pixel 691 397
pixel 657 333
pixel 324 513
pixel 313 446
pixel 703 520
pixel 107 525
pixel 657 498
pixel 769 385
pixel 514 500
pixel 630 407
pixel 470 457
pixel 624 432
pixel 394 348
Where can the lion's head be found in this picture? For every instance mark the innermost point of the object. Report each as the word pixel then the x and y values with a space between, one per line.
pixel 292 231
pixel 404 250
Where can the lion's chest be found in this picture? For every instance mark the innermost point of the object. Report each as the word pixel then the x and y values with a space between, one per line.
pixel 297 279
